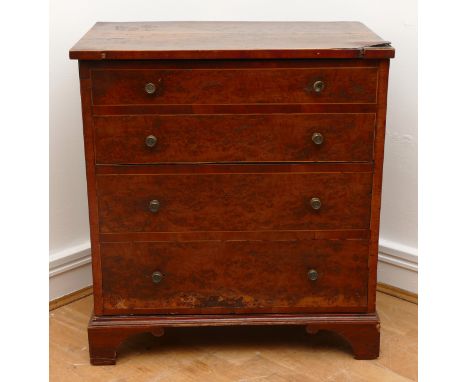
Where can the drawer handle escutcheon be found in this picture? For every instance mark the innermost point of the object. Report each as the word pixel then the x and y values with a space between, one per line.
pixel 151 141
pixel 315 203
pixel 157 277
pixel 317 138
pixel 318 86
pixel 154 206
pixel 312 275
pixel 151 88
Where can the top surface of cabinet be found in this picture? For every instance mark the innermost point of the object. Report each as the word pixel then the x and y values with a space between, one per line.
pixel 229 40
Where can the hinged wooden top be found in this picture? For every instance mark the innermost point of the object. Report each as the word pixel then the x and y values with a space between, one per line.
pixel 229 40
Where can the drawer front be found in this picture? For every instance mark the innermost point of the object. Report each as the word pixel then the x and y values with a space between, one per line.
pixel 234 138
pixel 234 86
pixel 235 276
pixel 233 202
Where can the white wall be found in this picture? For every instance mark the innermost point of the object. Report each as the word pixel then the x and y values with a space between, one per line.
pixel 394 20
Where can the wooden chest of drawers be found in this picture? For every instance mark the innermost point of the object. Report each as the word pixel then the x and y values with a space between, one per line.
pixel 234 176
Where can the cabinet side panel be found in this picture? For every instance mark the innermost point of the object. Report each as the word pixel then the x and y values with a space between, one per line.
pixel 88 134
pixel 377 180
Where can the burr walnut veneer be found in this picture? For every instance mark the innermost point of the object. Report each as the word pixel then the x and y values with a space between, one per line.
pixel 234 176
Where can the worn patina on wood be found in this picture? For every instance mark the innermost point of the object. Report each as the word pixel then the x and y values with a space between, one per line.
pixel 232 40
pixel 234 176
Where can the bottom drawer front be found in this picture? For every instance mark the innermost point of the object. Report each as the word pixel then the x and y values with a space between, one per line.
pixel 234 276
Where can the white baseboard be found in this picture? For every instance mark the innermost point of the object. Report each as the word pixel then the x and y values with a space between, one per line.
pixel 70 269
pixel 398 265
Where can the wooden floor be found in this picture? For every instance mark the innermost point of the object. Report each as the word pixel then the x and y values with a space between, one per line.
pixel 236 354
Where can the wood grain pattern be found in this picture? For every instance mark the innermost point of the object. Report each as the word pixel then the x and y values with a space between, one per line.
pixel 235 235
pixel 234 138
pixel 108 110
pixel 377 180
pixel 233 202
pixel 234 86
pixel 88 138
pixel 225 64
pixel 208 40
pixel 234 170
pixel 71 297
pixel 235 276
pixel 397 292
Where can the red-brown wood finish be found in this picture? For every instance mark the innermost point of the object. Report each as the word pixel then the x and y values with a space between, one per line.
pixel 234 40
pixel 234 138
pixel 377 181
pixel 108 110
pixel 351 234
pixel 106 333
pixel 88 137
pixel 235 276
pixel 234 169
pixel 234 86
pixel 233 202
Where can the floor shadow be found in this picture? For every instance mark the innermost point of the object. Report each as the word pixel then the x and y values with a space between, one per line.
pixel 239 338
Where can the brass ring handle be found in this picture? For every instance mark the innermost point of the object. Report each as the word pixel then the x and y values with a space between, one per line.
pixel 154 206
pixel 317 138
pixel 151 141
pixel 315 203
pixel 157 277
pixel 312 275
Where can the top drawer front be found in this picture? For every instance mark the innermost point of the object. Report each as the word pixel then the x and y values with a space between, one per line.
pixel 234 86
